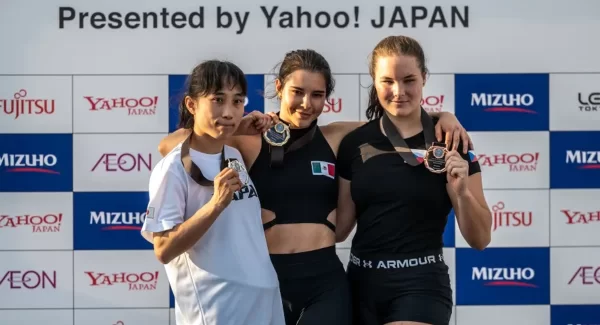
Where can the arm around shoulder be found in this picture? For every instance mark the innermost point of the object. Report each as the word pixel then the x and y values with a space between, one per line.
pixel 172 140
pixel 165 225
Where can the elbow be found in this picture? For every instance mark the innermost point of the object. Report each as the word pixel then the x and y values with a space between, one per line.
pixel 162 254
pixel 482 241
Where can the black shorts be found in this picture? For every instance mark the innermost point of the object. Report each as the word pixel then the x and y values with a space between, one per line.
pixel 314 287
pixel 400 288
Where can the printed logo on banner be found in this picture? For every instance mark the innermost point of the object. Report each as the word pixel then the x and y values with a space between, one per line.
pixel 120 316
pixel 575 217
pixel 254 101
pixel 35 104
pixel 449 235
pixel 30 163
pixel 36 279
pixel 502 276
pixel 119 279
pixel 575 159
pixel 575 315
pixel 511 160
pixel 109 220
pixel 113 104
pixel 45 225
pixel 575 275
pixel 114 162
pixel 438 94
pixel 503 102
pixel 519 218
pixel 575 102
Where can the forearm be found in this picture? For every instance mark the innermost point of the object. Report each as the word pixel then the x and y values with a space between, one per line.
pixel 475 221
pixel 175 242
pixel 345 222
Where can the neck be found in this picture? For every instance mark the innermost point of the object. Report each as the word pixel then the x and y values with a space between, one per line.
pixel 407 126
pixel 205 143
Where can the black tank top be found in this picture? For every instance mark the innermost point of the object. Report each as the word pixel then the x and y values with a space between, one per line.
pixel 302 190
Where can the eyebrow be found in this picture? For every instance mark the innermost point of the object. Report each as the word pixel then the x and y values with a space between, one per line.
pixel 316 91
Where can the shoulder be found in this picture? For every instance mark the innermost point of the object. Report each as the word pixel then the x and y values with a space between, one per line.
pixel 364 133
pixel 232 152
pixel 171 163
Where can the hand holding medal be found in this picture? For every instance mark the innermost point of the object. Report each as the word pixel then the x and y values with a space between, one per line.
pixel 240 169
pixel 457 171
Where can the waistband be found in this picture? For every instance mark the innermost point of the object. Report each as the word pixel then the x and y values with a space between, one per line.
pixel 304 264
pixel 395 261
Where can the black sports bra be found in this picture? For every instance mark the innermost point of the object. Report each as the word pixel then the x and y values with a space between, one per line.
pixel 304 188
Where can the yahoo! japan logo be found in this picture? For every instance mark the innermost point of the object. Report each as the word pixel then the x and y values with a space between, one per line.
pixel 504 276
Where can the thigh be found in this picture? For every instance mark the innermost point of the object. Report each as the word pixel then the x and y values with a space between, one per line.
pixel 332 305
pixel 418 308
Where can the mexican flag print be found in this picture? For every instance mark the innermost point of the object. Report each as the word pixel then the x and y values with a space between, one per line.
pixel 323 168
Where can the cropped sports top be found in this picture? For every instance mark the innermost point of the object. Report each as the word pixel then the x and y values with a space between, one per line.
pixel 304 188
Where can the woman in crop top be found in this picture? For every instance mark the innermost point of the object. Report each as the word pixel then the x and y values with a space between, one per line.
pixel 296 183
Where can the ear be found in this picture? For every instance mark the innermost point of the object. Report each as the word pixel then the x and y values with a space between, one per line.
pixel 278 87
pixel 190 105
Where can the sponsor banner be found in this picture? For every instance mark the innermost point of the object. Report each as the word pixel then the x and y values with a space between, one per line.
pixel 36 221
pixel 120 104
pixel 114 162
pixel 575 102
pixel 36 162
pixel 575 217
pixel 502 276
pixel 575 315
pixel 36 280
pixel 38 316
pixel 519 219
pixel 120 279
pixel 35 104
pixel 575 275
pixel 177 91
pixel 502 102
pixel 121 316
pixel 503 315
pixel 513 160
pixel 575 159
pixel 110 221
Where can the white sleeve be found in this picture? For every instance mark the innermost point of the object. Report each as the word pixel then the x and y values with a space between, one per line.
pixel 166 207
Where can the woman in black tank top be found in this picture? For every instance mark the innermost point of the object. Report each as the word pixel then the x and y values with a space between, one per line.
pixel 297 186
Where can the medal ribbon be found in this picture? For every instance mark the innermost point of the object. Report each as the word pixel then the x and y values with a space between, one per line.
pixel 400 145
pixel 192 169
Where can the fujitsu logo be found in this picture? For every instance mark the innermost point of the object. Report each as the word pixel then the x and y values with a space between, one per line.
pixel 38 223
pixel 29 279
pixel 578 217
pixel 133 106
pixel 502 218
pixel 20 105
pixel 525 162
pixel 143 281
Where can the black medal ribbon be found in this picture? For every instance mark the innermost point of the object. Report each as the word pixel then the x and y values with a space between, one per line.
pixel 278 153
pixel 398 142
pixel 192 169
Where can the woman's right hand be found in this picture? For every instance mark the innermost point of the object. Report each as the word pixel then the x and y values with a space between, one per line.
pixel 226 183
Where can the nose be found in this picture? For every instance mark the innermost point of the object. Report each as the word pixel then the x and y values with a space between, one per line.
pixel 306 102
pixel 398 90
pixel 228 112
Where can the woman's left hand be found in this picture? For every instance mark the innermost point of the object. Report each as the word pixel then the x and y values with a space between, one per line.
pixel 457 172
pixel 255 123
pixel 449 124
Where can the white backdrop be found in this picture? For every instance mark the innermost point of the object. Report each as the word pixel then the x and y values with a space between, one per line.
pixel 74 166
